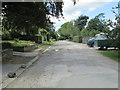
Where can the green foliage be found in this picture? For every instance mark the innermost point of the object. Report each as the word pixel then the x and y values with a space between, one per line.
pixel 115 36
pixel 77 39
pixel 97 23
pixel 74 31
pixel 38 35
pixel 84 33
pixel 43 32
pixel 92 33
pixel 61 38
pixel 6 35
pixel 87 33
pixel 114 54
pixel 115 33
pixel 19 43
pixel 81 22
pixel 48 43
pixel 27 17
pixel 67 30
pixel 31 14
pixel 53 35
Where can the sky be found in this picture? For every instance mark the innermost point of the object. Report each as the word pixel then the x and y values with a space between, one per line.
pixel 89 8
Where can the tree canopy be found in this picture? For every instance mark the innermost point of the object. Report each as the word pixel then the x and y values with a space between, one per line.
pixel 97 23
pixel 81 21
pixel 28 17
pixel 68 30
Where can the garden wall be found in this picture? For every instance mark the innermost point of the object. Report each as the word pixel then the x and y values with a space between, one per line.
pixel 25 48
pixel 7 54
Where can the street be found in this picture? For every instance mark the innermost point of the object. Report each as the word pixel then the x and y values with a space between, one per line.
pixel 69 65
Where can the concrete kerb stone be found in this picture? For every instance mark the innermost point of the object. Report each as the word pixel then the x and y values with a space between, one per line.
pixel 46 49
pixel 19 71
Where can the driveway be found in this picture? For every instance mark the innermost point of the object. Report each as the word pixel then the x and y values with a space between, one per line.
pixel 70 65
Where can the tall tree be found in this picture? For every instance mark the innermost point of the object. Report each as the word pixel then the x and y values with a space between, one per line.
pixel 24 16
pixel 68 30
pixel 97 23
pixel 115 33
pixel 81 22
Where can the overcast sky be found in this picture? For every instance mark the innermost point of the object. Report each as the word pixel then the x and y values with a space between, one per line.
pixel 90 8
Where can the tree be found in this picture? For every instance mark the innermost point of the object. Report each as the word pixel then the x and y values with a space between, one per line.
pixel 68 30
pixel 97 23
pixel 87 33
pixel 44 34
pixel 81 22
pixel 28 16
pixel 115 33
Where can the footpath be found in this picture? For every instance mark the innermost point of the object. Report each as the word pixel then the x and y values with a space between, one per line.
pixel 19 63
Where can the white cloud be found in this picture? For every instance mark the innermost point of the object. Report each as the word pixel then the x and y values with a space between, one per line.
pixel 71 11
pixel 91 9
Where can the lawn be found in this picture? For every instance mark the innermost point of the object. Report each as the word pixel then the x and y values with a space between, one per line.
pixel 48 43
pixel 19 43
pixel 113 54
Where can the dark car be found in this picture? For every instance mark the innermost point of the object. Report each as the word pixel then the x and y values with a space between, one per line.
pixel 90 42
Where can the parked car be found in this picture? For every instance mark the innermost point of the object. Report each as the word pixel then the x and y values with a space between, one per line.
pixel 90 42
pixel 102 41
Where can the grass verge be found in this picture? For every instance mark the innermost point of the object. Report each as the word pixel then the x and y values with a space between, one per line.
pixel 19 43
pixel 113 54
pixel 48 43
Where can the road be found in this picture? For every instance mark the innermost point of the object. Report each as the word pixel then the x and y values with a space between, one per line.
pixel 69 65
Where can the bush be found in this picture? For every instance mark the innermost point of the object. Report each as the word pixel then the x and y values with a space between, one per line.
pixel 84 33
pixel 19 43
pixel 6 45
pixel 61 38
pixel 87 33
pixel 48 43
pixel 116 35
pixel 77 39
pixel 6 35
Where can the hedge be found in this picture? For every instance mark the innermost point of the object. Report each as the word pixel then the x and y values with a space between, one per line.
pixel 77 39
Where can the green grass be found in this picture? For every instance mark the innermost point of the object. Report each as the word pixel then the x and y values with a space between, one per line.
pixel 19 43
pixel 113 54
pixel 48 43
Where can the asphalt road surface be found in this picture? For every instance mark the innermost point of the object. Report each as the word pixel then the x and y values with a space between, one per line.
pixel 70 65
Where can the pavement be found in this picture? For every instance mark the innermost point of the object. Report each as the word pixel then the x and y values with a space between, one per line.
pixel 14 64
pixel 69 65
pixel 0 72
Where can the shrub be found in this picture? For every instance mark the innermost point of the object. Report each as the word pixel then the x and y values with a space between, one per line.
pixel 116 35
pixel 61 38
pixel 19 43
pixel 6 35
pixel 87 33
pixel 6 45
pixel 77 39
pixel 48 43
